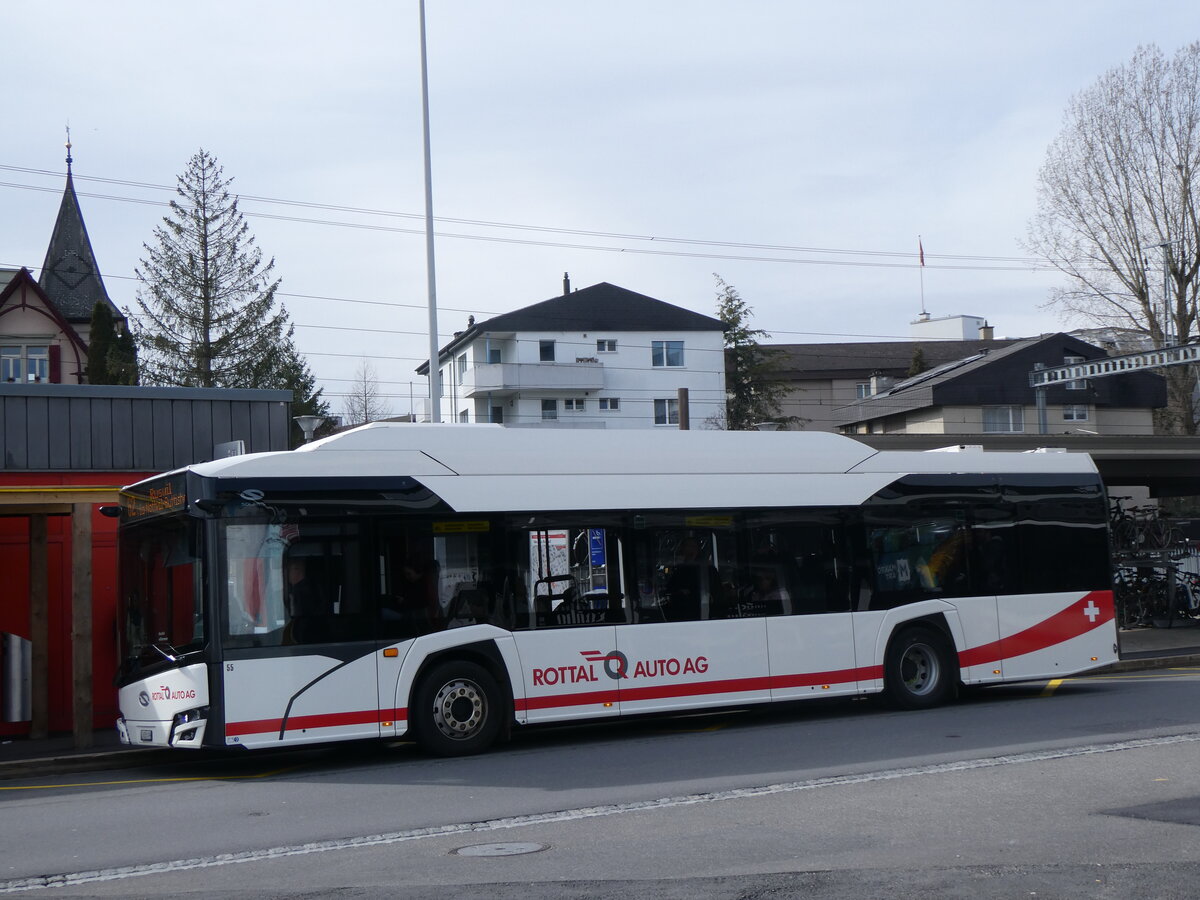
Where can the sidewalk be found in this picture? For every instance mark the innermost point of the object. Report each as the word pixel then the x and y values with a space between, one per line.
pixel 1141 648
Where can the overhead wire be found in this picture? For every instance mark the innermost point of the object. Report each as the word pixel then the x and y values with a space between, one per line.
pixel 867 258
pixel 908 257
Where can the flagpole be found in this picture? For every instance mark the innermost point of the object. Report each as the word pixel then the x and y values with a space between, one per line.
pixel 921 258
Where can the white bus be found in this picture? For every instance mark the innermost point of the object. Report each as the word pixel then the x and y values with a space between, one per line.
pixel 448 582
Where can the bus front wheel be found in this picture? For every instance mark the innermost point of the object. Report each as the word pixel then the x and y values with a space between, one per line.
pixel 456 709
pixel 918 670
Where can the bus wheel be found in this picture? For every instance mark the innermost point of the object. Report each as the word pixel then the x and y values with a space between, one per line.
pixel 918 670
pixel 456 709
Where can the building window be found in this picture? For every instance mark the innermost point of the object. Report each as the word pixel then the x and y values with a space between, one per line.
pixel 666 353
pixel 573 404
pixel 1079 385
pixel 546 351
pixel 497 415
pixel 606 346
pixel 461 371
pixel 666 412
pixel 1075 412
pixel 549 409
pixel 862 389
pixel 464 416
pixel 494 355
pixel 22 362
pixel 442 380
pixel 1003 419
pixel 610 403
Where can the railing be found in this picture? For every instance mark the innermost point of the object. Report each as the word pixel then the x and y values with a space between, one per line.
pixel 584 375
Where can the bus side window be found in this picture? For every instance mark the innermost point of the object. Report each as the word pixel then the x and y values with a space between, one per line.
pixel 798 567
pixel 565 576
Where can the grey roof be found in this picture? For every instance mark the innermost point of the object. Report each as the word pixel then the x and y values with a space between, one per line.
pixel 601 307
pixel 70 276
pixel 859 360
pixel 961 381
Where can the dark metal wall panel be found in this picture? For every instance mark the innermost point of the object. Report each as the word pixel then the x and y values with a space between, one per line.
pixel 182 438
pixel 281 426
pixel 80 437
pixel 59 417
pixel 163 435
pixel 37 421
pixel 222 422
pixel 142 436
pixel 239 416
pixel 122 434
pixel 16 433
pixel 128 429
pixel 201 426
pixel 260 434
pixel 101 433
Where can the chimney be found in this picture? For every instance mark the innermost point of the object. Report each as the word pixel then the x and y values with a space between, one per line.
pixel 986 331
pixel 881 382
pixel 566 283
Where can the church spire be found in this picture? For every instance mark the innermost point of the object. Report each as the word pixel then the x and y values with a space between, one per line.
pixel 70 276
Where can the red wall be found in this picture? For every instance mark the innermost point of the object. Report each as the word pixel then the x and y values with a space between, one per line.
pixel 14 596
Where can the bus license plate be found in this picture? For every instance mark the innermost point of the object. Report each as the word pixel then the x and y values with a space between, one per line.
pixel 147 735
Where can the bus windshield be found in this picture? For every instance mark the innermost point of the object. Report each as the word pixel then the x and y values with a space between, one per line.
pixel 162 606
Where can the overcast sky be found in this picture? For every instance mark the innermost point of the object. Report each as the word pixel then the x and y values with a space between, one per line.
pixel 797 149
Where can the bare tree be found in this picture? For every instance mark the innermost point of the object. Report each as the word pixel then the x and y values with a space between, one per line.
pixel 1117 209
pixel 363 403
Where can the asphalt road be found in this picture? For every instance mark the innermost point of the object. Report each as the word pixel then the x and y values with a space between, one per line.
pixel 1085 788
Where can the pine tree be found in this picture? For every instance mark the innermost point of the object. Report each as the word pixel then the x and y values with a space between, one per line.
pixel 754 387
pixel 102 336
pixel 207 299
pixel 112 357
pixel 293 375
pixel 918 363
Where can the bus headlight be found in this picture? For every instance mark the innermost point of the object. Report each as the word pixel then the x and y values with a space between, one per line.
pixel 188 726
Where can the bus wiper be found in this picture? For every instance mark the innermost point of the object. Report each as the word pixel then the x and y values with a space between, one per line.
pixel 167 656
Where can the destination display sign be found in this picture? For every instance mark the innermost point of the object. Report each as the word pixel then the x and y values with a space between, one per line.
pixel 157 498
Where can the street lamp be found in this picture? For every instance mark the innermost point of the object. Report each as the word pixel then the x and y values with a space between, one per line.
pixel 309 425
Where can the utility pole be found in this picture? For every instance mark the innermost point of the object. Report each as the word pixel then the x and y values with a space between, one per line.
pixel 435 386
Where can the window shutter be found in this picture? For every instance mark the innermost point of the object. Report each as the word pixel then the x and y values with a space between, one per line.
pixel 55 364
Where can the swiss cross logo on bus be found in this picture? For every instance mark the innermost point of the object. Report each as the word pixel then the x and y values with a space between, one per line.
pixel 1092 611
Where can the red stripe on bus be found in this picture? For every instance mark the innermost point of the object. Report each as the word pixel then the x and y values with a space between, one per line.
pixel 698 688
pixel 811 679
pixel 319 720
pixel 586 698
pixel 1062 626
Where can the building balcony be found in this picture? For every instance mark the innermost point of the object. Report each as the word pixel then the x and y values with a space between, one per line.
pixel 511 378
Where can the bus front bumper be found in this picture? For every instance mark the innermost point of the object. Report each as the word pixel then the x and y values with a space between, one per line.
pixel 181 732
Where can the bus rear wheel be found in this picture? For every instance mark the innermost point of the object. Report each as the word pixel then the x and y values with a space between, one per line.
pixel 918 670
pixel 457 709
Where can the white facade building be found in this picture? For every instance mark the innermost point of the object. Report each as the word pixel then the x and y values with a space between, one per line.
pixel 599 357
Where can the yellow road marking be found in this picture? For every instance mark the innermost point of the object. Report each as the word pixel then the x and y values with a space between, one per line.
pixel 46 787
pixel 1052 686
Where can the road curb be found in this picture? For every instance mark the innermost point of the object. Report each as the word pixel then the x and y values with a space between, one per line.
pixel 83 762
pixel 1138 664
